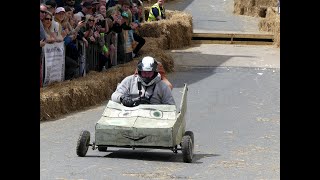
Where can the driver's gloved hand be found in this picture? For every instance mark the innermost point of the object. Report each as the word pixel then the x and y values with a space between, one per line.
pixel 144 100
pixel 137 101
pixel 127 101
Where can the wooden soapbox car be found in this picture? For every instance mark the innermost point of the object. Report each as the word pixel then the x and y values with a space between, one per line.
pixel 144 126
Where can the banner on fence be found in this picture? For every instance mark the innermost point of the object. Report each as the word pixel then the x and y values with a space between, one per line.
pixel 54 55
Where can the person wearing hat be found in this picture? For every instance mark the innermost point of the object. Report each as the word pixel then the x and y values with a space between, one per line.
pixel 95 6
pixel 86 9
pixel 59 17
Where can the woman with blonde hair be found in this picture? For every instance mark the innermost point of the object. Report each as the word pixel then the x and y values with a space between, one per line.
pixel 47 22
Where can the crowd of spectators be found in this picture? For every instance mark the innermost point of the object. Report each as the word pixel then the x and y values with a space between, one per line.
pixel 109 25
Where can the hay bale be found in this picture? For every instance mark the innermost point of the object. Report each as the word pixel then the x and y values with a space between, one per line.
pixel 267 9
pixel 64 97
pixel 271 24
pixel 255 8
pixel 177 29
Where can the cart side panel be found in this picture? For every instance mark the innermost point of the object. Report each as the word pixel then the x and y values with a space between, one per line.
pixel 179 127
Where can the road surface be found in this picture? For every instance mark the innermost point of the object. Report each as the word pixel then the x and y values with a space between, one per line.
pixel 233 110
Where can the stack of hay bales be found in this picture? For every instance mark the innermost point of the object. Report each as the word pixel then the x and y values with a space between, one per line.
pixel 253 7
pixel 64 97
pixel 267 10
pixel 174 32
pixel 271 24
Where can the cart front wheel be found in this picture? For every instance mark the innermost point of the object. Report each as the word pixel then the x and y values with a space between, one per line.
pixel 83 143
pixel 187 149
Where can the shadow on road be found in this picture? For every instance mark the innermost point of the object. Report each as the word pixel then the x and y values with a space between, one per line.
pixel 191 67
pixel 146 155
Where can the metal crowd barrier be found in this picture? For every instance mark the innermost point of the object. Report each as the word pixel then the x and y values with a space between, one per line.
pixel 89 57
pixel 92 57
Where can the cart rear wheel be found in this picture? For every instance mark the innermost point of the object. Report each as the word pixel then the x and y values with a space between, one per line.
pixel 83 143
pixel 102 148
pixel 190 133
pixel 187 149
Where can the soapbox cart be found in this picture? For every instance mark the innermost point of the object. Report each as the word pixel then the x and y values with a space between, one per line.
pixel 144 126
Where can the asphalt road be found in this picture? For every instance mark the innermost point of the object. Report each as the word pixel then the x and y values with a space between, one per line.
pixel 234 112
pixel 215 16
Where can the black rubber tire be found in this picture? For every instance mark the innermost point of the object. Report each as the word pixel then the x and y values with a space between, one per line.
pixel 83 143
pixel 102 148
pixel 190 133
pixel 187 149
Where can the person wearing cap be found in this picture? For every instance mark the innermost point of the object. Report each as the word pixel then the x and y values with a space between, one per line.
pixel 152 91
pixel 157 11
pixel 86 9
pixel 95 6
pixel 59 17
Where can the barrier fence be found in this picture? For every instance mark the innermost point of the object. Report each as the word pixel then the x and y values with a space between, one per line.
pixel 88 60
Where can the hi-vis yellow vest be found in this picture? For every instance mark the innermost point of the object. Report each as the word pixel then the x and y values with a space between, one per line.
pixel 151 16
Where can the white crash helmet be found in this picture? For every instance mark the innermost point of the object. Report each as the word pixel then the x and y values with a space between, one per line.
pixel 147 63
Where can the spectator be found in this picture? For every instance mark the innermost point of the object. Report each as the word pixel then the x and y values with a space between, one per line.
pixel 59 17
pixel 47 23
pixel 153 90
pixel 69 22
pixel 128 38
pixel 71 4
pixel 116 27
pixel 51 6
pixel 43 12
pixel 103 28
pixel 79 8
pixel 136 23
pixel 157 11
pixel 95 6
pixel 86 9
pixel 103 3
pixel 125 7
pixel 72 33
pixel 141 12
pixel 111 3
pixel 72 54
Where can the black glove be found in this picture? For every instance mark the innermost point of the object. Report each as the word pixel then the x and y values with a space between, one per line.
pixel 144 100
pixel 127 101
pixel 137 101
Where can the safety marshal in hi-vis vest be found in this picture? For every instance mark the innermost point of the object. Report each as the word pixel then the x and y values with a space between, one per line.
pixel 161 11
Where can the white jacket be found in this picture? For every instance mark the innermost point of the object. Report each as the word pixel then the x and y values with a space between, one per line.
pixel 159 91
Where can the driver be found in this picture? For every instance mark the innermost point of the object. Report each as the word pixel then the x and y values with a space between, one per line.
pixel 145 87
